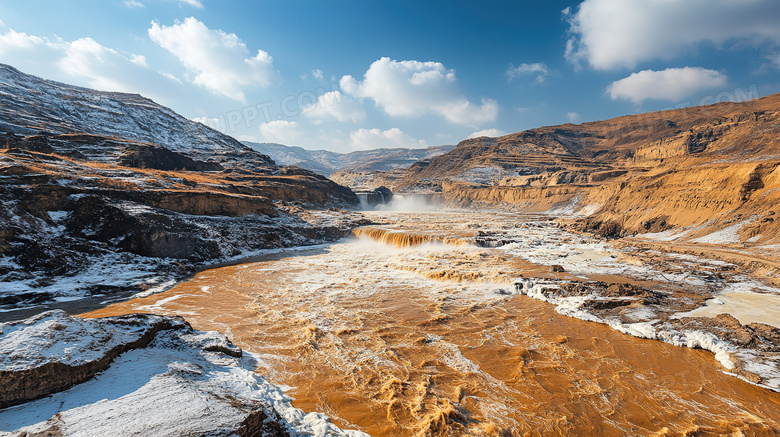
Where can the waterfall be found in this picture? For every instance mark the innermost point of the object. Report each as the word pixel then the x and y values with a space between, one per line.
pixel 363 198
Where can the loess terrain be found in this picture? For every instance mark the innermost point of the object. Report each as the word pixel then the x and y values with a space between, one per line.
pixel 700 169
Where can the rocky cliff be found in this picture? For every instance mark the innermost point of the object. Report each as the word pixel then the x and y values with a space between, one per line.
pixel 90 180
pixel 701 170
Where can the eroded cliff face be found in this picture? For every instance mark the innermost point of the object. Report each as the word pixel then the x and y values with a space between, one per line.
pixel 703 169
pixel 90 180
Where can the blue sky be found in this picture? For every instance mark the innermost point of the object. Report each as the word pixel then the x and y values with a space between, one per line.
pixel 348 75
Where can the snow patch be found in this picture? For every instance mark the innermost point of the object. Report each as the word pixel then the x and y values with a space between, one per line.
pixel 177 385
pixel 727 235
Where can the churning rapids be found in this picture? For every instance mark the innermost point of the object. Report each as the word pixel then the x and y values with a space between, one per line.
pixel 413 329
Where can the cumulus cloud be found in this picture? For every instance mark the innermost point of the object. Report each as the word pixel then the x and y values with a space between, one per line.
pixel 218 61
pixel 538 69
pixel 487 133
pixel 610 34
pixel 376 138
pixel 133 4
pixel 317 74
pixel 282 132
pixel 573 117
pixel 83 62
pixel 413 88
pixel 334 106
pixel 670 84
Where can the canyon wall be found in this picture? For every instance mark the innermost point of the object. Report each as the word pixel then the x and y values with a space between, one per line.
pixel 703 168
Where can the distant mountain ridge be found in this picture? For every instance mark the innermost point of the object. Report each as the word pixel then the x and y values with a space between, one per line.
pixel 326 162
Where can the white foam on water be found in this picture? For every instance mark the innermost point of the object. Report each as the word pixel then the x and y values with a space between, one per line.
pixel 408 203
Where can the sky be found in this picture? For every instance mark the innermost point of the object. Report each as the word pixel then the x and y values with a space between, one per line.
pixel 348 75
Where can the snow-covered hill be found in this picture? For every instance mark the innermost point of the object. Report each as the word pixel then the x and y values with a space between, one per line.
pixel 31 106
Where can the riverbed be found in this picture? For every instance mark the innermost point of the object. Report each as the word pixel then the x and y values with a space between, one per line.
pixel 414 329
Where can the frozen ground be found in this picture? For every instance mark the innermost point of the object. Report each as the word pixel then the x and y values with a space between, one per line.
pixel 183 382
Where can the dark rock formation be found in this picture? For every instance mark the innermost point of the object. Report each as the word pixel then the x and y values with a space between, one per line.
pixel 160 158
pixel 377 196
pixel 757 336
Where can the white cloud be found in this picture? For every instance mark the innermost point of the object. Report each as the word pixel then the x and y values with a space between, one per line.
pixel 573 117
pixel 610 34
pixel 317 74
pixel 487 133
pixel 219 61
pixel 333 105
pixel 139 60
pixel 376 138
pixel 250 138
pixel 138 4
pixel 212 122
pixel 540 70
pixel 12 41
pixel 80 58
pixel 775 59
pixel 83 62
pixel 282 131
pixel 413 88
pixel 171 77
pixel 670 84
pixel 195 3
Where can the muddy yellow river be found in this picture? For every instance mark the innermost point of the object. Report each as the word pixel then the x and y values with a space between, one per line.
pixel 411 335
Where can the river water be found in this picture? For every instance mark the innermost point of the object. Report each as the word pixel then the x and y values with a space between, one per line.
pixel 410 330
